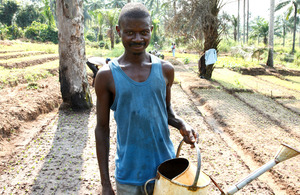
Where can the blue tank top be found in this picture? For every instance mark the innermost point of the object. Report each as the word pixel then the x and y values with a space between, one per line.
pixel 143 137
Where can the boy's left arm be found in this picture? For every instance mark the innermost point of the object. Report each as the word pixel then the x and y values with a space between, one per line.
pixel 190 136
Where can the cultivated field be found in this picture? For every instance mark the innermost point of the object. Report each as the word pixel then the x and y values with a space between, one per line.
pixel 242 116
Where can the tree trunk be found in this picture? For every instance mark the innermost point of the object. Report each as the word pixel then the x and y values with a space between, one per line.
pixel 234 34
pixel 247 20
pixel 271 34
pixel 174 7
pixel 72 69
pixel 295 23
pixel 244 24
pixel 284 32
pixel 112 38
pixel 210 32
pixel 238 22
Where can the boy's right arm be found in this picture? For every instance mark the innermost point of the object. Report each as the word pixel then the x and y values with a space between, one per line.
pixel 102 131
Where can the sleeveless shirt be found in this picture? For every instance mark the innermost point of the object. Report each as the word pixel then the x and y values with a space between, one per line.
pixel 143 137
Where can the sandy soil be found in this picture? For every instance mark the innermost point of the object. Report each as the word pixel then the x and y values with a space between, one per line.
pixel 54 153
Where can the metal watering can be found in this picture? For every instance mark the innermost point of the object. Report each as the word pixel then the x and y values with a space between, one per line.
pixel 177 176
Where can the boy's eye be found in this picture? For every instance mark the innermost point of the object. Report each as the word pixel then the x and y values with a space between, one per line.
pixel 130 33
pixel 144 32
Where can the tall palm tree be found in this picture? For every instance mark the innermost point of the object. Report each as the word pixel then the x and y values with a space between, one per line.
pixel 271 34
pixel 247 19
pixel 110 16
pixel 244 24
pixel 238 21
pixel 260 29
pixel 292 8
pixel 234 22
pixel 48 13
pixel 117 3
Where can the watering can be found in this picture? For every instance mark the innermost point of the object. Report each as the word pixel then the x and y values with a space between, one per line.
pixel 178 176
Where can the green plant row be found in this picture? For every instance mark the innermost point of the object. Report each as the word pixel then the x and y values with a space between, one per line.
pixel 12 77
pixel 267 85
pixel 24 59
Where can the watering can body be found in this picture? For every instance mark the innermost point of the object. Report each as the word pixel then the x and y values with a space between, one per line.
pixel 182 183
pixel 178 176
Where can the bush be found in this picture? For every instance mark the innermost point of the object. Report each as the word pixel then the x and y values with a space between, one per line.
pixel 90 36
pixel 7 11
pixel 49 34
pixel 3 31
pixel 41 32
pixel 27 15
pixel 186 60
pixel 14 32
pixel 33 31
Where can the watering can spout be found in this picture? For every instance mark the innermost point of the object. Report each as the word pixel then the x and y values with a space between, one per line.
pixel 285 152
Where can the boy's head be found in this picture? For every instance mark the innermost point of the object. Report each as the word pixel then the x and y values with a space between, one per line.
pixel 135 27
pixel 133 10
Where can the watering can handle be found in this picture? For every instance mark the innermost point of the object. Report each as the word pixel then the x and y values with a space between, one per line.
pixel 145 186
pixel 193 187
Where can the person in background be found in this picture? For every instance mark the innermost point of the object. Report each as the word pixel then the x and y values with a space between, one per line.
pixel 137 87
pixel 94 63
pixel 156 46
pixel 173 49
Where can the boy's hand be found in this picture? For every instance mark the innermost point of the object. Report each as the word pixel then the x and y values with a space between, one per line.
pixel 189 135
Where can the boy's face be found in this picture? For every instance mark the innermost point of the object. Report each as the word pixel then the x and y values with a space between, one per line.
pixel 135 34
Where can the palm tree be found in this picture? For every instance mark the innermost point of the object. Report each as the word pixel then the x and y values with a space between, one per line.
pixel 271 34
pixel 234 22
pixel 293 7
pixel 244 25
pixel 116 3
pixel 247 19
pixel 260 29
pixel 72 73
pixel 238 20
pixel 110 17
pixel 48 13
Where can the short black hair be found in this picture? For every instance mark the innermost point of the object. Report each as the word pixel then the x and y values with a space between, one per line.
pixel 134 10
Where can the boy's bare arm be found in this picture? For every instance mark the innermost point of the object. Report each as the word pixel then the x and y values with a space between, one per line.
pixel 188 133
pixel 102 131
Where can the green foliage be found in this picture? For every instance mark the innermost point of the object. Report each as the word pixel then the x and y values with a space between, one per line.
pixel 90 35
pixel 3 31
pixel 260 29
pixel 7 11
pixel 41 32
pixel 47 13
pixel 14 32
pixel 233 62
pixel 155 31
pixel 32 85
pixel 49 34
pixel 226 44
pixel 27 15
pixel 33 31
pixel 186 60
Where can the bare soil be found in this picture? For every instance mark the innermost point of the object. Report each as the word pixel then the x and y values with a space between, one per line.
pixel 44 150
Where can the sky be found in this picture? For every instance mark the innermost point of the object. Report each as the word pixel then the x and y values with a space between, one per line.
pixel 256 8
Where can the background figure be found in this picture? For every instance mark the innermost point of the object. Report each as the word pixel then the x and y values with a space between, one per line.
pixel 173 49
pixel 156 46
pixel 94 63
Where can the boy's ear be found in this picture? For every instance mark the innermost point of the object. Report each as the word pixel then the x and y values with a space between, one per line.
pixel 152 28
pixel 118 29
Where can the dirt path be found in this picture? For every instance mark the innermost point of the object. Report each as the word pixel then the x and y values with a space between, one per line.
pixel 56 153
